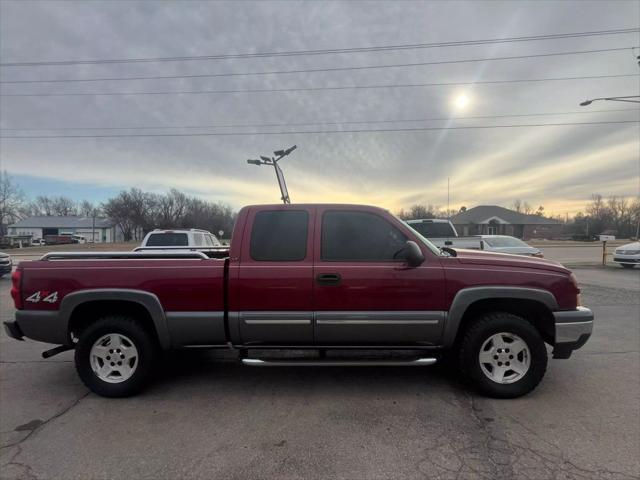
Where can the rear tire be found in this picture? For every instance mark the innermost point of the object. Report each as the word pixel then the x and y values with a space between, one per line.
pixel 115 356
pixel 503 355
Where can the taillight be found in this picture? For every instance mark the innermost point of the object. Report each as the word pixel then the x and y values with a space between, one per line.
pixel 16 280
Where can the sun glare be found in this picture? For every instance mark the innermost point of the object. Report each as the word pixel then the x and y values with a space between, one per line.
pixel 461 101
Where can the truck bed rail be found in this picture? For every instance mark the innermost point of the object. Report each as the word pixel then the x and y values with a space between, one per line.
pixel 143 255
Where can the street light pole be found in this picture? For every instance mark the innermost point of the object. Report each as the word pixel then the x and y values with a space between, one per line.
pixel 279 155
pixel 628 98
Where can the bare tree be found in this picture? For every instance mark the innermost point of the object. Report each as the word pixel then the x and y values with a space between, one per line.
pixel 634 214
pixel 517 205
pixel 134 211
pixel 11 201
pixel 420 211
pixel 88 209
pixel 620 213
pixel 64 206
pixel 42 206
pixel 171 208
pixel 118 210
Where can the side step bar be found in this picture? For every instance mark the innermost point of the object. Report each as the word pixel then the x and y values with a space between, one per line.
pixel 420 362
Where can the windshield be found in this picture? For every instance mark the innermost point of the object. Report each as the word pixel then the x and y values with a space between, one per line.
pixel 504 242
pixel 419 236
pixel 168 240
pixel 433 229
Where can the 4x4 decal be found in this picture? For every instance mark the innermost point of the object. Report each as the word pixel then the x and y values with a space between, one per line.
pixel 43 296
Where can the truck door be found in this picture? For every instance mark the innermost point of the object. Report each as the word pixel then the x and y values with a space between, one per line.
pixel 365 296
pixel 273 281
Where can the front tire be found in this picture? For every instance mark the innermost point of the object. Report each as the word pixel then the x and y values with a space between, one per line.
pixel 503 355
pixel 115 356
pixel 627 265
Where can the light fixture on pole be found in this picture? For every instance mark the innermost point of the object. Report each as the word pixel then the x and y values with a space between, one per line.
pixel 279 154
pixel 628 98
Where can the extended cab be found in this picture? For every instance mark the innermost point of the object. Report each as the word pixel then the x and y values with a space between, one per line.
pixel 328 278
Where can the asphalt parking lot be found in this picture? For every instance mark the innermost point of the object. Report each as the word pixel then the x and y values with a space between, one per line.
pixel 207 418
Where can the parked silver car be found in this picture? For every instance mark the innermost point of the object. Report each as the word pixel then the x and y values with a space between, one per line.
pixel 627 255
pixel 507 244
pixel 5 264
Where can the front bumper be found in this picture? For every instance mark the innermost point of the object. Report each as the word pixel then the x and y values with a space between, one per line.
pixel 573 329
pixel 631 259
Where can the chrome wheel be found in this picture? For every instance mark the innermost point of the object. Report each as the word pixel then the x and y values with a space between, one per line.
pixel 504 358
pixel 114 358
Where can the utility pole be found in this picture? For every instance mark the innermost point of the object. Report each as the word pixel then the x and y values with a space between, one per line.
pixel 279 155
pixel 448 210
pixel 93 227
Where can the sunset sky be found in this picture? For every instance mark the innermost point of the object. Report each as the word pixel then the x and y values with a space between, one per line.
pixel 556 166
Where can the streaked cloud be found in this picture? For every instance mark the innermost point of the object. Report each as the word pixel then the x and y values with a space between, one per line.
pixel 558 167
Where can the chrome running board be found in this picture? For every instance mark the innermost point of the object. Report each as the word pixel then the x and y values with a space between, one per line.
pixel 323 362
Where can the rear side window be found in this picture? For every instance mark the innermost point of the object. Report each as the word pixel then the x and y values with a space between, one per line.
pixel 359 236
pixel 198 239
pixel 279 236
pixel 168 239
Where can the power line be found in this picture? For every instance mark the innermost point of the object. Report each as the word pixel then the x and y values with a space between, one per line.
pixel 307 124
pixel 311 89
pixel 309 132
pixel 313 70
pixel 330 50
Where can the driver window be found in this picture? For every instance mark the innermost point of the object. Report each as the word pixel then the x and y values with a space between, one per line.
pixel 359 236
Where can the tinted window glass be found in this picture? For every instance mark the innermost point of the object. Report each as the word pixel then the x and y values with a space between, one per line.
pixel 168 240
pixel 433 230
pixel 279 236
pixel 359 236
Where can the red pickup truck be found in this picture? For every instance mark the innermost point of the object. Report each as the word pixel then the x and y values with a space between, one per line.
pixel 327 278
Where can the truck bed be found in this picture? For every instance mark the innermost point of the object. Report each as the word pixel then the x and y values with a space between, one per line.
pixel 181 284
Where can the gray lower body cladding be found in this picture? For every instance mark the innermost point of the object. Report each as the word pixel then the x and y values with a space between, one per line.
pixel 304 329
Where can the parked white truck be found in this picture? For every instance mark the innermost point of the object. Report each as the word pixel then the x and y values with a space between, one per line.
pixel 442 233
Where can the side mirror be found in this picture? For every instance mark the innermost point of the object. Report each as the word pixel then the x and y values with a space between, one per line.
pixel 412 254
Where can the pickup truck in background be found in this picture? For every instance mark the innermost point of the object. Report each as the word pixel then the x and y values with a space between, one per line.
pixel 321 277
pixel 443 234
pixel 184 240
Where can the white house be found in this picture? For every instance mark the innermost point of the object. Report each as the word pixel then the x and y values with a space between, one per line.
pixel 102 230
